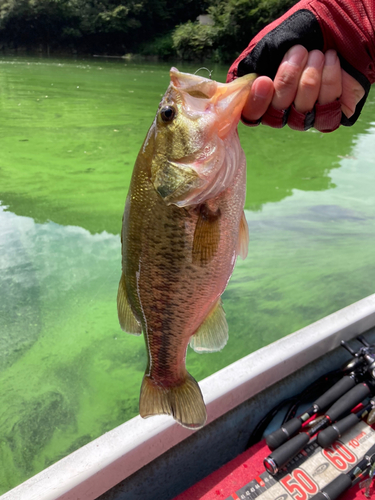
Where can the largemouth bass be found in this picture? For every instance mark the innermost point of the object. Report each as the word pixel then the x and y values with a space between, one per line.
pixel 183 227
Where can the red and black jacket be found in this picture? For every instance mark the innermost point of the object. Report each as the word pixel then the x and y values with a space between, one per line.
pixel 348 26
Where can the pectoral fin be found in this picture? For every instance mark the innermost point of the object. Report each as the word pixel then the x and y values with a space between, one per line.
pixel 212 335
pixel 243 238
pixel 128 321
pixel 206 236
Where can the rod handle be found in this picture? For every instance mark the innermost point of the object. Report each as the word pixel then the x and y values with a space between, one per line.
pixel 329 435
pixel 370 451
pixel 334 489
pixel 282 455
pixel 286 431
pixel 348 401
pixel 335 392
pixel 290 428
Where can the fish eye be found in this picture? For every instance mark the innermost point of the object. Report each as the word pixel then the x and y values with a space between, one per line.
pixel 167 114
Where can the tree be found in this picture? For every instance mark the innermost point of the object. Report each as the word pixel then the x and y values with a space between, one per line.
pixel 120 26
pixel 238 21
pixel 37 22
pixel 194 40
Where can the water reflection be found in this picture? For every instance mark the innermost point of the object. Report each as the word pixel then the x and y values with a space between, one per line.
pixel 281 161
pixel 58 335
pixel 71 133
pixel 310 254
pixel 20 321
pixel 44 266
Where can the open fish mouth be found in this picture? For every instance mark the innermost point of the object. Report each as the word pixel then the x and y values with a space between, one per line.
pixel 214 96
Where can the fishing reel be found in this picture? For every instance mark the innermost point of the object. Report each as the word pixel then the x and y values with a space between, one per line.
pixel 363 363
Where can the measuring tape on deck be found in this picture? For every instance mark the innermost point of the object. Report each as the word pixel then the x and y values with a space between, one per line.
pixel 312 469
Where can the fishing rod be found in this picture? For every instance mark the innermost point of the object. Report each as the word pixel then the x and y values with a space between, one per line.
pixel 362 364
pixel 293 426
pixel 366 467
pixel 286 452
pixel 328 436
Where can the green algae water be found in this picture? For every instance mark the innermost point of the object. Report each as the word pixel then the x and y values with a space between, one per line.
pixel 70 132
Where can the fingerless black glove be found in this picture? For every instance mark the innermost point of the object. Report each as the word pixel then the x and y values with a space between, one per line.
pixel 348 26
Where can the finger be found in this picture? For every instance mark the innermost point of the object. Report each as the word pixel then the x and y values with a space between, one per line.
pixel 288 76
pixel 331 87
pixel 352 93
pixel 309 84
pixel 259 99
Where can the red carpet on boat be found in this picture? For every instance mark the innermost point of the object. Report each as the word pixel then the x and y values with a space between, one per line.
pixel 222 483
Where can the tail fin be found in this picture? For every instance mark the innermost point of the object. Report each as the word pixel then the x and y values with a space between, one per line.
pixel 184 402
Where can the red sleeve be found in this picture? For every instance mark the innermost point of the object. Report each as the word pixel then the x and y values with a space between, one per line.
pixel 348 26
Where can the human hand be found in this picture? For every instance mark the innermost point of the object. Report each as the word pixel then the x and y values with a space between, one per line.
pixel 302 80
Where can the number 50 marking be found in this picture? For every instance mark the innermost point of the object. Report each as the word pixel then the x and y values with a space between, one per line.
pixel 299 485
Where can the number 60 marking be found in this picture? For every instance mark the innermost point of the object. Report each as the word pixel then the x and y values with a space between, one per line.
pixel 339 456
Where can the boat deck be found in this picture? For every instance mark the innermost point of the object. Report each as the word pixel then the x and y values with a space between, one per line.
pixel 243 478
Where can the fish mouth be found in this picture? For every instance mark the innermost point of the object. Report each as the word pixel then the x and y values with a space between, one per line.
pixel 226 100
pixel 195 85
pixel 229 101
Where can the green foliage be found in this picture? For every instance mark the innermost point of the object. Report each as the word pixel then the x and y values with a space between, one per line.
pixel 110 16
pixel 161 47
pixel 235 23
pixel 37 22
pixel 194 40
pixel 113 26
pixel 116 19
pixel 155 27
pixel 238 21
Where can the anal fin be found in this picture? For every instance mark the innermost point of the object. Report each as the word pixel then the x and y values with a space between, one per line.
pixel 128 321
pixel 184 402
pixel 212 335
pixel 243 238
